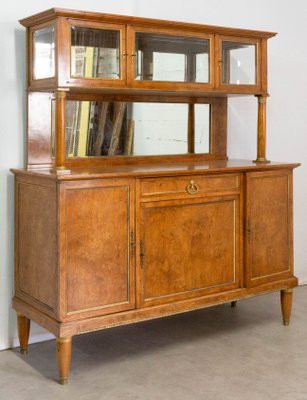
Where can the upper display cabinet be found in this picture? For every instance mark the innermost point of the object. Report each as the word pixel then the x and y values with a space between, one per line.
pixel 92 51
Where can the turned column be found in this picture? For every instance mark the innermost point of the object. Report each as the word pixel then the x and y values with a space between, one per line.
pixel 23 325
pixel 261 129
pixel 286 305
pixel 60 151
pixel 63 356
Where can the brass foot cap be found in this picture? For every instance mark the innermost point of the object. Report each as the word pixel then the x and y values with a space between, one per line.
pixel 24 351
pixel 262 160
pixel 63 381
pixel 286 322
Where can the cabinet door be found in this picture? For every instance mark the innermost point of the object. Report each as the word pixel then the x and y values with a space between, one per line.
pixel 159 59
pixel 97 243
pixel 188 248
pixel 268 228
pixel 239 66
pixel 91 55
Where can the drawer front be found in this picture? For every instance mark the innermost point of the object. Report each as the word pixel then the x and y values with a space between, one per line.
pixel 189 185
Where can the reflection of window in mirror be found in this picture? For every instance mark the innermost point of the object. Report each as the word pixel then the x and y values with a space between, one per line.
pixel 96 128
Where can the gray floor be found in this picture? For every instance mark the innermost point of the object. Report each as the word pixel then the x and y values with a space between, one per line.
pixel 219 353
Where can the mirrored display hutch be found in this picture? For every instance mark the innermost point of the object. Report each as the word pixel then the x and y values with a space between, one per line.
pixel 128 208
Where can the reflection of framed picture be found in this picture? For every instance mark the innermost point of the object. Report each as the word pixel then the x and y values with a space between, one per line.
pixel 107 63
pixel 78 61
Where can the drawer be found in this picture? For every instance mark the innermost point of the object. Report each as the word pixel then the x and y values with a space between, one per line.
pixel 189 185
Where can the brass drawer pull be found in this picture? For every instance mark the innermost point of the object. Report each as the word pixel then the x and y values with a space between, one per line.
pixel 192 188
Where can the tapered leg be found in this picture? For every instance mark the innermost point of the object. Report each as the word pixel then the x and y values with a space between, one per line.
pixel 23 324
pixel 233 304
pixel 63 356
pixel 286 305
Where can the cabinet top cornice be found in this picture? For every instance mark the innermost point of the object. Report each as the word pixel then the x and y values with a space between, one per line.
pixel 53 13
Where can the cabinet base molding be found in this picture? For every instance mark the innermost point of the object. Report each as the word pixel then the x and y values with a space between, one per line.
pixel 68 329
pixel 65 330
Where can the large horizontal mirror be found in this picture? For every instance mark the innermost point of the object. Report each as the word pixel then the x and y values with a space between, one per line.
pixel 99 128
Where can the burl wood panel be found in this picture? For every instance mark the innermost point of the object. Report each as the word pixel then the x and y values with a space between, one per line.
pixel 189 247
pixel 98 268
pixel 39 130
pixel 268 226
pixel 36 263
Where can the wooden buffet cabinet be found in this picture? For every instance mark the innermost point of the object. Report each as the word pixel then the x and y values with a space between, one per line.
pixel 129 208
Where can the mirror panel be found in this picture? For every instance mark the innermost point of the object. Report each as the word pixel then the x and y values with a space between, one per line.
pixel 160 128
pixel 239 63
pixel 202 128
pixel 97 128
pixel 95 53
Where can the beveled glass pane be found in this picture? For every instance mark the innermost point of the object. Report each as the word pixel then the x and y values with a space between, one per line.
pixel 95 53
pixel 239 63
pixel 171 58
pixel 202 128
pixel 127 128
pixel 43 41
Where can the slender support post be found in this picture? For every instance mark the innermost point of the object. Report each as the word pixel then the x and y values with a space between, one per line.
pixel 261 141
pixel 23 324
pixel 63 357
pixel 191 129
pixel 233 304
pixel 60 151
pixel 286 305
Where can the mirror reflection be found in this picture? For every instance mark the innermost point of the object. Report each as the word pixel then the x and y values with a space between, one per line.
pixel 44 53
pixel 95 53
pixel 98 128
pixel 171 58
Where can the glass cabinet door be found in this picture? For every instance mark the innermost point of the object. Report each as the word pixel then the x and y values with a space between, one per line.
pixel 159 58
pixel 239 62
pixel 94 55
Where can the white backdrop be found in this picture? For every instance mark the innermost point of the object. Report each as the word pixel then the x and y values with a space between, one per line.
pixel 287 106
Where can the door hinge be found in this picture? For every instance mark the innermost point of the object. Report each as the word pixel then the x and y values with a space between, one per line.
pixel 249 231
pixel 132 242
pixel 142 253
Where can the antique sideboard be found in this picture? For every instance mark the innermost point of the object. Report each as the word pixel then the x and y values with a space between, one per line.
pixel 128 207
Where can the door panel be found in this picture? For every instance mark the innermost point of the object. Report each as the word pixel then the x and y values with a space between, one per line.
pixel 268 226
pixel 239 64
pixel 188 248
pixel 93 54
pixel 99 264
